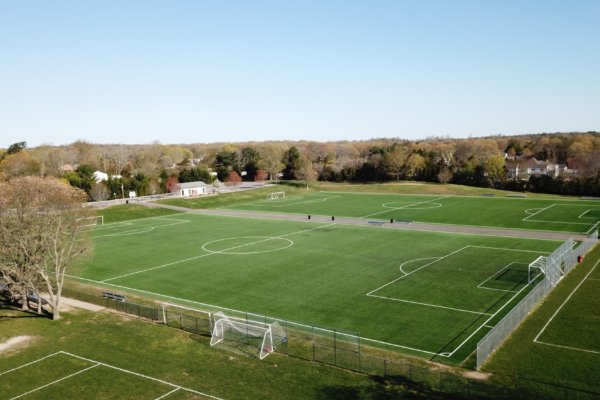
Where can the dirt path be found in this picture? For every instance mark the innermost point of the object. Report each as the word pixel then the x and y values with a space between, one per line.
pixel 416 226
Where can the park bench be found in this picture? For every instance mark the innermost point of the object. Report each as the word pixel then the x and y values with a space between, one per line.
pixel 114 296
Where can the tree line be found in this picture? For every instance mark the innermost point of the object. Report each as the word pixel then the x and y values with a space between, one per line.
pixel 156 168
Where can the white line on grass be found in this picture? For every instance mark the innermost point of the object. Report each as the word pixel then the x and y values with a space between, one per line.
pixel 487 320
pixel 407 206
pixel 535 340
pixel 141 375
pixel 54 382
pixel 167 394
pixel 30 363
pixel 262 317
pixel 496 273
pixel 592 228
pixel 416 259
pixel 429 305
pixel 208 254
pixel 536 213
pixel 412 272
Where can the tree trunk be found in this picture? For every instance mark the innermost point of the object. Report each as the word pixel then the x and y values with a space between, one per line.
pixel 24 306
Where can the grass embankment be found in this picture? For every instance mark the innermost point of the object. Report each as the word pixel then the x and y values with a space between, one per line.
pixel 132 211
pixel 164 353
pixel 242 196
pixel 576 327
pixel 413 187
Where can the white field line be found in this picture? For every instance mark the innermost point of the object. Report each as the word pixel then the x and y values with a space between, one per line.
pixel 487 320
pixel 448 255
pixel 129 222
pixel 564 302
pixel 507 249
pixel 536 213
pixel 258 316
pixel 480 286
pixel 142 376
pixel 592 228
pixel 568 347
pixel 318 200
pixel 167 394
pixel 416 259
pixel 29 363
pixel 208 254
pixel 412 272
pixel 140 230
pixel 585 212
pixel 488 326
pixel 406 206
pixel 54 382
pixel 429 305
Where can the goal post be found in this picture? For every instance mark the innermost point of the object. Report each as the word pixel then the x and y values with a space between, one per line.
pixel 276 196
pixel 261 338
pixel 91 221
pixel 189 319
pixel 537 267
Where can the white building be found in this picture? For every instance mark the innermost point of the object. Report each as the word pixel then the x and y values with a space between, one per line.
pixel 193 188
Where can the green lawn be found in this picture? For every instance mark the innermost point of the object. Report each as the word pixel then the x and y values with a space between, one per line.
pixel 106 356
pixel 576 216
pixel 339 276
pixel 559 343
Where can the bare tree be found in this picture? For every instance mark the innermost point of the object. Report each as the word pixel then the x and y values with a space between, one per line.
pixel 271 157
pixel 41 235
pixel 304 169
pixel 99 192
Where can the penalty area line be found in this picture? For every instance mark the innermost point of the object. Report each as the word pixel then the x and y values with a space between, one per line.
pixel 536 339
pixel 140 375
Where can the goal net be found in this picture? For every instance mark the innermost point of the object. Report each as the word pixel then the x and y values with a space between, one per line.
pixel 276 196
pixel 91 221
pixel 258 337
pixel 536 268
pixel 186 318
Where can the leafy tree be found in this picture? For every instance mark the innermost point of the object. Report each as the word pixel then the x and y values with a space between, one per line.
pixel 290 158
pixel 393 161
pixel 250 162
pixel 225 162
pixel 172 184
pixel 233 178
pixel 16 147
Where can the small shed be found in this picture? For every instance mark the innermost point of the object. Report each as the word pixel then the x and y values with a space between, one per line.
pixel 192 188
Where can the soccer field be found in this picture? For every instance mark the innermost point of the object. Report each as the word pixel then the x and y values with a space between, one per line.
pixel 577 216
pixel 424 293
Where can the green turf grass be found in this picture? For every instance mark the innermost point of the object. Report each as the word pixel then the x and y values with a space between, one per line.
pixel 565 353
pixel 131 211
pixel 321 274
pixel 156 351
pixel 576 216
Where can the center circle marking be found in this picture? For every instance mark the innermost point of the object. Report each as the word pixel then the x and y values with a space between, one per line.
pixel 238 249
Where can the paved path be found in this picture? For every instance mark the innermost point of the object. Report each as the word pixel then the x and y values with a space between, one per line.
pixel 416 226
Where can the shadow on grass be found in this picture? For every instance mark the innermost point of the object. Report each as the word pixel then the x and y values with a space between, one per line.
pixel 381 389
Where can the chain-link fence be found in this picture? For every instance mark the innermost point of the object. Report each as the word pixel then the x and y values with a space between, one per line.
pixel 345 350
pixel 561 261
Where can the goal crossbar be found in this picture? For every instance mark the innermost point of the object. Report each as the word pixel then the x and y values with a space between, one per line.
pixel 226 328
pixel 91 221
pixel 276 195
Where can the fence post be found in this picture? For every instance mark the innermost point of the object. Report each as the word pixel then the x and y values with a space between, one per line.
pixel 334 348
pixel 313 342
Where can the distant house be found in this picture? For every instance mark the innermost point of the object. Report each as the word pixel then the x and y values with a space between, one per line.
pixel 524 168
pixel 192 188
pixel 100 176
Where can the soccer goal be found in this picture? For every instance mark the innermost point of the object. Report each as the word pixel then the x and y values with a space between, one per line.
pixel 536 268
pixel 187 319
pixel 276 196
pixel 91 221
pixel 259 337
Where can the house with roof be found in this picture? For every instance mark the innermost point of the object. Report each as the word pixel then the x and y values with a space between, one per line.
pixel 524 168
pixel 189 189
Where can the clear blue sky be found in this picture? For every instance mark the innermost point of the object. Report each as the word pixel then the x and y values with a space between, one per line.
pixel 204 71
